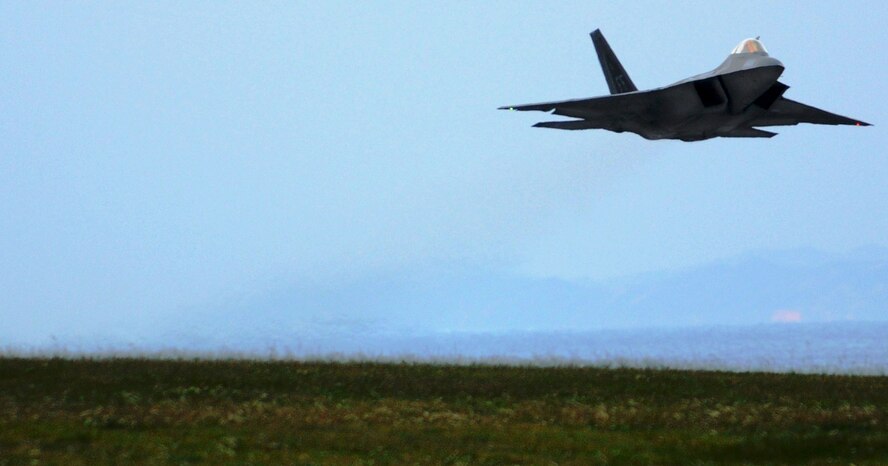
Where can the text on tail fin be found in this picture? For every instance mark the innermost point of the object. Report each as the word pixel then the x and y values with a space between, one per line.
pixel 618 80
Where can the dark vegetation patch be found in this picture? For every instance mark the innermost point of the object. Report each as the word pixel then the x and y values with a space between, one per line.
pixel 116 411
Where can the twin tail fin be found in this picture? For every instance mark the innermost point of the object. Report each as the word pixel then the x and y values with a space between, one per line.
pixel 618 80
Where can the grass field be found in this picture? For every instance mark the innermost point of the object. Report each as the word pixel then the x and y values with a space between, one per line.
pixel 122 411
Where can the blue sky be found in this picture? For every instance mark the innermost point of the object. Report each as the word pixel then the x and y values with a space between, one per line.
pixel 162 157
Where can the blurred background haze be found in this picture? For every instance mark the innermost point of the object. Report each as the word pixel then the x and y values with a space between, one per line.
pixel 174 175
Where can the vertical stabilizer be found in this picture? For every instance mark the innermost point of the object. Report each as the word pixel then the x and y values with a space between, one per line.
pixel 617 79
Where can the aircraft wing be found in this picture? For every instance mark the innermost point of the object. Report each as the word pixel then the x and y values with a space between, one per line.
pixel 608 105
pixel 605 112
pixel 789 112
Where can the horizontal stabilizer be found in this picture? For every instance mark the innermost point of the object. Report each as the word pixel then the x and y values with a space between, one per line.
pixel 747 133
pixel 570 124
pixel 617 79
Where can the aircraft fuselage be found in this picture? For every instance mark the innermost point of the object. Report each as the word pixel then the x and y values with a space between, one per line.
pixel 730 101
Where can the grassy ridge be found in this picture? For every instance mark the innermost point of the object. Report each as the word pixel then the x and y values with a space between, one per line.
pixel 236 412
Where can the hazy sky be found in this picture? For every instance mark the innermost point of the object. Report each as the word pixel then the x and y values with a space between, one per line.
pixel 161 156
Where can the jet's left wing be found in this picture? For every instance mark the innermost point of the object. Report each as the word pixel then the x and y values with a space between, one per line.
pixel 789 112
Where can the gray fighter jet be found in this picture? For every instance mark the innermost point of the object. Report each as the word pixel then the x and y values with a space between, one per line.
pixel 729 101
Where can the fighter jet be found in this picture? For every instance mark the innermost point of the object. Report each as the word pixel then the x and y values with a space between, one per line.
pixel 731 101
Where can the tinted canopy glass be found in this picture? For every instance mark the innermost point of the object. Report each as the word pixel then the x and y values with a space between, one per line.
pixel 750 46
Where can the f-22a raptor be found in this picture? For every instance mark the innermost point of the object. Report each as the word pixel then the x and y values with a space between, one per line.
pixel 730 101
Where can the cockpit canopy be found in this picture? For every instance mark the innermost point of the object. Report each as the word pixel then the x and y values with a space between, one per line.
pixel 750 46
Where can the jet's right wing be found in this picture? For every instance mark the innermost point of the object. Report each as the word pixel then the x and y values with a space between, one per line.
pixel 789 112
pixel 603 104
pixel 605 112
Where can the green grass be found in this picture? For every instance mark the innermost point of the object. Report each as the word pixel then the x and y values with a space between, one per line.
pixel 121 411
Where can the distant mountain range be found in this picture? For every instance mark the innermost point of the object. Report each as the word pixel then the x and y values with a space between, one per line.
pixel 798 310
pixel 796 285
pixel 803 286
